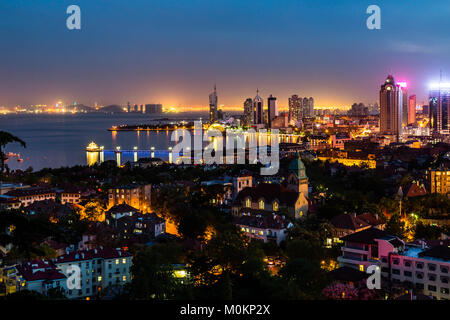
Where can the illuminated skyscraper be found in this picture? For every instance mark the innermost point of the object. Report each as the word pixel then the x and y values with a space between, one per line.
pixel 272 111
pixel 412 109
pixel 403 86
pixel 213 106
pixel 305 107
pixel 248 112
pixel 439 108
pixel 391 105
pixel 295 108
pixel 258 104
pixel 310 107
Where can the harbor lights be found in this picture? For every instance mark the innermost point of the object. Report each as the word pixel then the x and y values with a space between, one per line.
pixel 118 156
pixel 102 154
pixel 135 154
pixel 170 154
pixel 153 152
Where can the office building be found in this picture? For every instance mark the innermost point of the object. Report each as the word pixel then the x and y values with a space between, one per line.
pixel 439 108
pixel 258 109
pixel 391 108
pixel 412 109
pixel 248 112
pixel 213 117
pixel 295 108
pixel 272 109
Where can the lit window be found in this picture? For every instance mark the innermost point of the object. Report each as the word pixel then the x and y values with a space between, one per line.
pixel 124 278
pixel 248 203
pixel 275 206
pixel 261 204
pixel 361 267
pixel 99 279
pixel 117 261
pixel 124 260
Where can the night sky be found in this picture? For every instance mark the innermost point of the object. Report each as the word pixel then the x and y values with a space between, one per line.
pixel 173 51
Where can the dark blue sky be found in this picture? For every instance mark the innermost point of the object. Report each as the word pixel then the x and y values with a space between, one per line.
pixel 173 51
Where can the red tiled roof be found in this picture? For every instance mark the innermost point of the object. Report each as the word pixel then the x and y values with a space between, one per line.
pixel 29 192
pixel 270 192
pixel 416 191
pixel 370 219
pixel 349 222
pixel 39 270
pixel 82 255
pixel 263 220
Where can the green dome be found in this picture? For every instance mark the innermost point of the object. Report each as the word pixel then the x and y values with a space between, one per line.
pixel 296 166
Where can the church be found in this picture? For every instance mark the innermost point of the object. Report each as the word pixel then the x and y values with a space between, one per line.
pixel 290 197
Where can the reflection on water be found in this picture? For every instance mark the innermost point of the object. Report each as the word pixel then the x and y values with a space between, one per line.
pixel 60 140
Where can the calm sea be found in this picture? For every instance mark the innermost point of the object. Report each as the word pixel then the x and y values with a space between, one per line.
pixel 54 141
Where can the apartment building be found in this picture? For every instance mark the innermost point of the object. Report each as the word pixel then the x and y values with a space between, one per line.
pixel 29 195
pixel 39 276
pixel 439 181
pixel 262 225
pixel 100 268
pixel 426 268
pixel 137 196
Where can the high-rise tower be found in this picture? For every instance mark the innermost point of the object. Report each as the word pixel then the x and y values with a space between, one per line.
pixel 272 111
pixel 295 108
pixel 258 105
pixel 439 108
pixel 391 108
pixel 248 112
pixel 213 106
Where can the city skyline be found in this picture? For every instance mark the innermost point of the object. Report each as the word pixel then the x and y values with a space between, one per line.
pixel 172 53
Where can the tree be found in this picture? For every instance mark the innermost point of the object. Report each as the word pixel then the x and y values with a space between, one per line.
pixel 6 138
pixel 395 226
pixel 153 274
pixel 93 211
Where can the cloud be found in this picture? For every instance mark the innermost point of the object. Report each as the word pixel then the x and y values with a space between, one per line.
pixel 410 47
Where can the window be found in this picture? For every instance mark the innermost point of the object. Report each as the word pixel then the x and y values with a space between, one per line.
pixel 248 203
pixel 407 263
pixel 383 259
pixel 432 288
pixel 419 275
pixel 444 279
pixel 361 267
pixel 395 271
pixel 261 204
pixel 124 278
pixel 419 286
pixel 395 261
pixel 124 260
pixel 444 269
pixel 431 277
pixel 407 273
pixel 445 290
pixel 117 261
pixel 419 265
pixel 431 267
pixel 275 206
